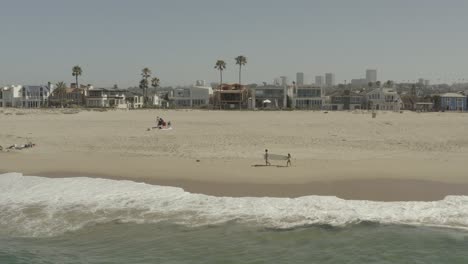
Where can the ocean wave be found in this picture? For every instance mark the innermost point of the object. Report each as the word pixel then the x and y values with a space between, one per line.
pixel 36 206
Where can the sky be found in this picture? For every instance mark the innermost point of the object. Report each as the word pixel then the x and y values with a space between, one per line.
pixel 180 40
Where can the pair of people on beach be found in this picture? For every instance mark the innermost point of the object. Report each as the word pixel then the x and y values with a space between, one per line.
pixel 267 162
pixel 160 123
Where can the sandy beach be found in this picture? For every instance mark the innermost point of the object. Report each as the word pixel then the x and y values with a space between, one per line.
pixel 394 157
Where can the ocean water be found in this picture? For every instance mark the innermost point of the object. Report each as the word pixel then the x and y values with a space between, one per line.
pixel 85 220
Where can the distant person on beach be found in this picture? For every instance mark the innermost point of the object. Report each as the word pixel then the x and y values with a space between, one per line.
pixel 267 163
pixel 161 122
pixel 288 162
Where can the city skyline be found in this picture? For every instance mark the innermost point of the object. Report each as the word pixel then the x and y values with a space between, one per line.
pixel 180 42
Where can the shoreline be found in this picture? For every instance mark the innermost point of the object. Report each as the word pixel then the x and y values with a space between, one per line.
pixel 382 190
pixel 348 180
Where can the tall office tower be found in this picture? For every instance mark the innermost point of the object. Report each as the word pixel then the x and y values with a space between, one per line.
pixel 284 81
pixel 329 79
pixel 371 76
pixel 300 79
pixel 319 80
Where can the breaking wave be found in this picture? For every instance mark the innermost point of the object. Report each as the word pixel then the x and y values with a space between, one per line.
pixel 37 206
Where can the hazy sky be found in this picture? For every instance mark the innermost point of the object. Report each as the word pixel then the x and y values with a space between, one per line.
pixel 112 40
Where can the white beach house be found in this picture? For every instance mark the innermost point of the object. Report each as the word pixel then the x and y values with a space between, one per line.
pixel 101 97
pixel 384 99
pixel 307 97
pixel 27 96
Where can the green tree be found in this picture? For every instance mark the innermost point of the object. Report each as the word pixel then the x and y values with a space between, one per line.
pixel 437 101
pixel 144 84
pixel 241 61
pixel 155 82
pixel 60 91
pixel 76 71
pixel 220 66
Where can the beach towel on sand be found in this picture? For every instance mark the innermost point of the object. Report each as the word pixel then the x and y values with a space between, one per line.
pixel 276 157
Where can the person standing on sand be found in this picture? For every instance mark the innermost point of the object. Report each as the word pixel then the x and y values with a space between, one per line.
pixel 267 163
pixel 288 163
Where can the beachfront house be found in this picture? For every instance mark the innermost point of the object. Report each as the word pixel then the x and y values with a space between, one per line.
pixel 231 96
pixel 306 97
pixel 346 100
pixel 134 100
pixel 26 96
pixel 102 97
pixel 10 96
pixel 453 102
pixel 68 97
pixel 384 99
pixel 269 97
pixel 189 97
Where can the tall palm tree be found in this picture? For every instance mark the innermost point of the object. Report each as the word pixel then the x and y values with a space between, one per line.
pixel 60 91
pixel 155 82
pixel 146 74
pixel 76 71
pixel 241 61
pixel 220 66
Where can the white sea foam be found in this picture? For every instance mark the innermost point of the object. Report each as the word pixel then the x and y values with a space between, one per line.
pixel 38 206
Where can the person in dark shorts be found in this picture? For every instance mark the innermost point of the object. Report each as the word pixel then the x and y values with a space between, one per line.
pixel 267 163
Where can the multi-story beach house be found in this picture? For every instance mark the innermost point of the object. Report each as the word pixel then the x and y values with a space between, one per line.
pixel 306 97
pixel 11 96
pixel 346 100
pixel 189 97
pixel 231 96
pixel 134 100
pixel 269 97
pixel 453 102
pixel 68 97
pixel 102 97
pixel 27 96
pixel 384 99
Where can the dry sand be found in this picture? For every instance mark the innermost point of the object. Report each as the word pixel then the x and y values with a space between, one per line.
pixel 408 156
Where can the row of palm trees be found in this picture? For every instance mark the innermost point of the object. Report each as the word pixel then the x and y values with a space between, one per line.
pixel 144 84
pixel 221 66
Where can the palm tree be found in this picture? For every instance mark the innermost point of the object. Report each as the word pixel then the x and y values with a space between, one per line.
pixel 60 91
pixel 155 82
pixel 76 71
pixel 241 61
pixel 144 86
pixel 146 74
pixel 220 66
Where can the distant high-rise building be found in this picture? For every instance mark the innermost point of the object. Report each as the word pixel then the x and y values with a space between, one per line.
pixel 358 83
pixel 426 82
pixel 319 80
pixel 329 79
pixel 284 81
pixel 277 82
pixel 421 81
pixel 300 78
pixel 371 76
